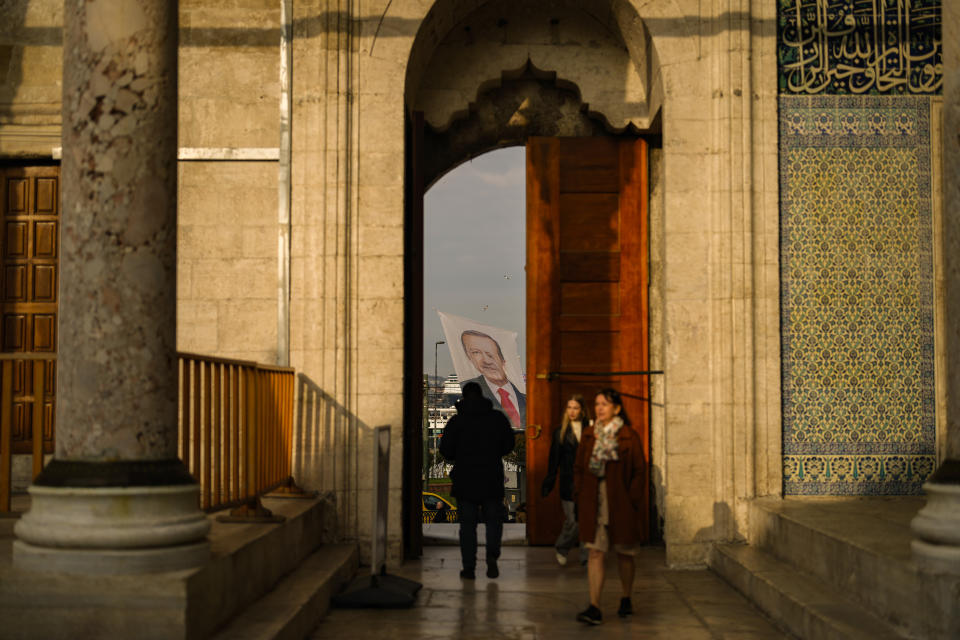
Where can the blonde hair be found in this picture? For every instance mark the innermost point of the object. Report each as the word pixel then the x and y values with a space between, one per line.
pixel 584 415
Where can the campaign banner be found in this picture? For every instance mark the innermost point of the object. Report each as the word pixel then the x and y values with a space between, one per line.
pixel 488 355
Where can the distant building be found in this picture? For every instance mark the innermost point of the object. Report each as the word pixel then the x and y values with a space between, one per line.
pixel 451 386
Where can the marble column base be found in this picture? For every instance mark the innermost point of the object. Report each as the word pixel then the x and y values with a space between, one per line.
pixel 937 529
pixel 112 529
pixel 108 561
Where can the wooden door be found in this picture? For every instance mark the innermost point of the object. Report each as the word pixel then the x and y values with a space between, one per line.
pixel 586 293
pixel 29 255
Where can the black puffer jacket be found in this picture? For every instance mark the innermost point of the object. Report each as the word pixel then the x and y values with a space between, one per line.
pixel 475 441
pixel 562 456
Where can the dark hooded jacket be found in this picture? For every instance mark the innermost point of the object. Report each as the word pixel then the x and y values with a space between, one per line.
pixel 475 441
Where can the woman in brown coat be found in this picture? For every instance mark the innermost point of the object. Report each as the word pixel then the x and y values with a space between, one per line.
pixel 609 476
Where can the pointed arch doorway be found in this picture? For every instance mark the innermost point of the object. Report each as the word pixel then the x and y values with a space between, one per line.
pixel 587 310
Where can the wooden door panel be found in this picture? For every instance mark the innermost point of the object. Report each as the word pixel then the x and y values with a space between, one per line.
pixel 31 210
pixel 45 240
pixel 589 298
pixel 44 283
pixel 586 291
pixel 14 332
pixel 46 198
pixel 18 190
pixel 588 323
pixel 45 333
pixel 15 283
pixel 589 222
pixel 16 243
pixel 582 266
pixel 592 168
pixel 589 349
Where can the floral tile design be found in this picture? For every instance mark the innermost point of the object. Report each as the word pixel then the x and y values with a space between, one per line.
pixel 856 294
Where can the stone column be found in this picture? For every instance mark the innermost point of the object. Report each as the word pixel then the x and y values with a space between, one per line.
pixel 115 498
pixel 937 526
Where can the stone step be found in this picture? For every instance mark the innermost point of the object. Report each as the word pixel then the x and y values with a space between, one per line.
pixel 802 604
pixel 248 563
pixel 295 606
pixel 858 546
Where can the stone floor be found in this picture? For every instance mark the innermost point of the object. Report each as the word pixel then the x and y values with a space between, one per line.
pixel 536 598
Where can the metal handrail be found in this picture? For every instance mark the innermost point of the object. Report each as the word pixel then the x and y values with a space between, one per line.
pixel 236 427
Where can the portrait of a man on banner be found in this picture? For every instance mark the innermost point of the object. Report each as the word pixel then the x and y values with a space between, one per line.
pixel 488 356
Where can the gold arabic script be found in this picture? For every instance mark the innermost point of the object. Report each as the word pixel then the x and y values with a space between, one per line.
pixel 860 46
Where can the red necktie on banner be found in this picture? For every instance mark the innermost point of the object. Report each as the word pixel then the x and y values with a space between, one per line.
pixel 511 410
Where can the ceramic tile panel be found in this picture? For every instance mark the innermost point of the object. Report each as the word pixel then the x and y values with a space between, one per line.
pixel 859 47
pixel 856 294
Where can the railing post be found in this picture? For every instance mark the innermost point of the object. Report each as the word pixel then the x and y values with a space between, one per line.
pixel 251 436
pixel 235 429
pixel 183 437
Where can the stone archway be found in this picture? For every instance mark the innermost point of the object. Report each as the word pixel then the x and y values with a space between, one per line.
pixel 703 81
pixel 480 87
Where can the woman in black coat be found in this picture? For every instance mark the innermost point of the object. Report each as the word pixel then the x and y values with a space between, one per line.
pixel 475 441
pixel 563 453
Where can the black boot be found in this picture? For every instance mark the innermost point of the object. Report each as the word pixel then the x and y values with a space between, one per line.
pixel 590 615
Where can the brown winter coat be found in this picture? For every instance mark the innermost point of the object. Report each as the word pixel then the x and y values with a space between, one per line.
pixel 626 478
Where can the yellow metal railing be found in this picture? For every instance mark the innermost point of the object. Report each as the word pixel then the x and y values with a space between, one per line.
pixel 7 400
pixel 236 427
pixel 434 516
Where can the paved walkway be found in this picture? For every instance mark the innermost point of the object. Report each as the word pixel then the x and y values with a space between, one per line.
pixel 536 598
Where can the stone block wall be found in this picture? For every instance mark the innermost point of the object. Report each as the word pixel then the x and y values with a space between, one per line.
pixel 228 213
pixel 30 77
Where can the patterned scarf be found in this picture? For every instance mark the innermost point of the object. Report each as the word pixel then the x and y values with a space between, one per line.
pixel 605 445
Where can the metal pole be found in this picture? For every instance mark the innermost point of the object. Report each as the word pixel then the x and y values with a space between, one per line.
pixel 425 428
pixel 435 376
pixel 435 345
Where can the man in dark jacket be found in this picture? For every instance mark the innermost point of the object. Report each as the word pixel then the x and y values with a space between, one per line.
pixel 475 441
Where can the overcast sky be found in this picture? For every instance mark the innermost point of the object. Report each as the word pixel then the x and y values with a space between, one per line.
pixel 473 236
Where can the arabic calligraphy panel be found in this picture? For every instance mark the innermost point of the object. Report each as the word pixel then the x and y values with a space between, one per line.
pixel 856 294
pixel 859 46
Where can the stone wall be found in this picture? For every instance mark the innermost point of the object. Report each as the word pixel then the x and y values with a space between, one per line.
pixel 31 58
pixel 227 237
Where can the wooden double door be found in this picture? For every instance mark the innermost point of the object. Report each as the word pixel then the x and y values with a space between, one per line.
pixel 30 214
pixel 587 302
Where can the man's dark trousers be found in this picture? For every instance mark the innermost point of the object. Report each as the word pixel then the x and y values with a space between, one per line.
pixel 469 516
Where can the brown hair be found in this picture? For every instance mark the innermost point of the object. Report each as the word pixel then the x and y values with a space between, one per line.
pixel 584 415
